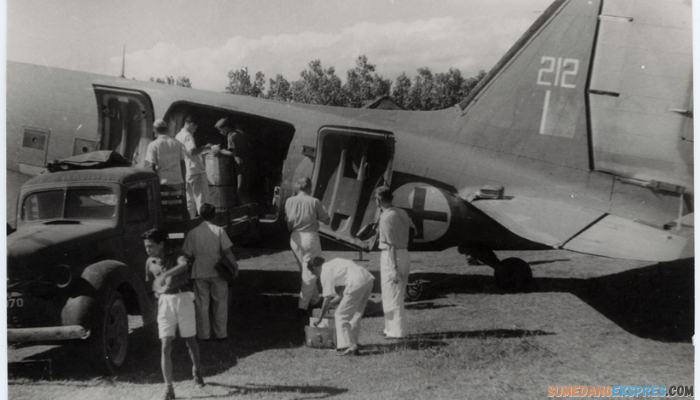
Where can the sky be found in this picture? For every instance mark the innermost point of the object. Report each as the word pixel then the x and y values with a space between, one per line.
pixel 204 40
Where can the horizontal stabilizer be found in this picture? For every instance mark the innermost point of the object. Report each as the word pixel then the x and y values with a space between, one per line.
pixel 621 238
pixel 583 230
pixel 687 220
pixel 542 221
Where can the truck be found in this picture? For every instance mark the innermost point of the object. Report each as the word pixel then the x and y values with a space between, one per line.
pixel 75 264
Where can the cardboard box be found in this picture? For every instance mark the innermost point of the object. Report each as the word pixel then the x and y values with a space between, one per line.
pixel 322 338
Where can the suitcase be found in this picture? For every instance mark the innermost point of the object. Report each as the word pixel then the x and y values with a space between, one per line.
pixel 321 338
pixel 325 323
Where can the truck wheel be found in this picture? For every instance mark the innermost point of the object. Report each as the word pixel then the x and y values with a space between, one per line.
pixel 110 338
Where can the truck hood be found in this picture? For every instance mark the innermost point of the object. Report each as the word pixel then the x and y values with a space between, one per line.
pixel 33 249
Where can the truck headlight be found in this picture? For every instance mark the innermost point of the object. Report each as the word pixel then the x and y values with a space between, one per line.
pixel 62 276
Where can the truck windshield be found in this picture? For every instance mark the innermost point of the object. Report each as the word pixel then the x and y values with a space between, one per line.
pixel 70 204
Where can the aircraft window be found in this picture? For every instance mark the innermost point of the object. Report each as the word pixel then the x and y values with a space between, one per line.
pixel 35 139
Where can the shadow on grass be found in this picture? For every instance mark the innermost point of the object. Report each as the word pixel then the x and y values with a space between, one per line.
pixel 425 306
pixel 400 345
pixel 425 341
pixel 235 390
pixel 549 261
pixel 483 334
pixel 654 302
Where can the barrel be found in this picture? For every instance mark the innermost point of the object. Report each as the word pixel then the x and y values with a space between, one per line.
pixel 221 170
pixel 223 197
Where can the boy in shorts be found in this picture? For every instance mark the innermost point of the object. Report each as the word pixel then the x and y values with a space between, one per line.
pixel 170 272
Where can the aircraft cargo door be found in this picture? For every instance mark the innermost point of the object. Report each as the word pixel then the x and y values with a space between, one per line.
pixel 125 121
pixel 350 164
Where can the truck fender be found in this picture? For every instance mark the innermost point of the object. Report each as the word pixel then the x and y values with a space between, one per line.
pixel 94 290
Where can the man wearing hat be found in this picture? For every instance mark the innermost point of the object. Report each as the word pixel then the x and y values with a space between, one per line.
pixel 165 156
pixel 239 148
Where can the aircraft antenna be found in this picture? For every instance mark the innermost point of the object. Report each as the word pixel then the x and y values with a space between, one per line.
pixel 123 61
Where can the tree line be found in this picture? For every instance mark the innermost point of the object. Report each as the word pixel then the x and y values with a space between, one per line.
pixel 319 85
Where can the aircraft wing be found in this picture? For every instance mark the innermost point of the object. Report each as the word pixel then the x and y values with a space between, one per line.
pixel 574 228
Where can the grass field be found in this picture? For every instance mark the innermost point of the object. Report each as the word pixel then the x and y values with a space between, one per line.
pixel 585 321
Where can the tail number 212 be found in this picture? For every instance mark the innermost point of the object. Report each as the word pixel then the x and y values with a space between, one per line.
pixel 564 70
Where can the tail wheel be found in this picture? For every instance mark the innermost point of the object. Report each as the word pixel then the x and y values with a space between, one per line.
pixel 514 275
pixel 110 338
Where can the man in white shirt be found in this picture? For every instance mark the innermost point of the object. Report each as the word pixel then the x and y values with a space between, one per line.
pixel 395 262
pixel 303 214
pixel 165 156
pixel 358 284
pixel 196 174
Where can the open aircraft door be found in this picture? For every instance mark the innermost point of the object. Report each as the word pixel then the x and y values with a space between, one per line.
pixel 350 164
pixel 125 121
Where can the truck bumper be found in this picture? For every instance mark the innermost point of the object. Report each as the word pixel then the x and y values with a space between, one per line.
pixel 47 334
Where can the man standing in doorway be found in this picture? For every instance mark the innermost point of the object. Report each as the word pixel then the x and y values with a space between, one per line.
pixel 238 147
pixel 196 175
pixel 395 262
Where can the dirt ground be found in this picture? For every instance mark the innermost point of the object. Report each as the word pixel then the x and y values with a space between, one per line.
pixel 584 321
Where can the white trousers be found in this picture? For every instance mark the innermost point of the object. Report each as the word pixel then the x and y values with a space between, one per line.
pixel 212 291
pixel 393 293
pixel 349 313
pixel 305 246
pixel 197 193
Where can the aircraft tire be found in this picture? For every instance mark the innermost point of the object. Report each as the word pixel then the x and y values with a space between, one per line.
pixel 110 338
pixel 514 275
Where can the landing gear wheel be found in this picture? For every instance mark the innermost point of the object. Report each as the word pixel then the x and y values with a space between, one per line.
pixel 514 275
pixel 414 290
pixel 110 338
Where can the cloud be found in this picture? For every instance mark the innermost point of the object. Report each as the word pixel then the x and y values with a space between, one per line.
pixel 469 44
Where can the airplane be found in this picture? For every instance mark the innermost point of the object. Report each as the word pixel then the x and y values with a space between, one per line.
pixel 579 138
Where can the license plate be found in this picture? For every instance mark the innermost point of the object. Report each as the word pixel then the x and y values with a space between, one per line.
pixel 15 300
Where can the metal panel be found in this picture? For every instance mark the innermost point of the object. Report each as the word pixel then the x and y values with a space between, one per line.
pixel 611 237
pixel 35 144
pixel 82 146
pixel 643 61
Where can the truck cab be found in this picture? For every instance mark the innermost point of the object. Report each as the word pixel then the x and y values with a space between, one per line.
pixel 75 264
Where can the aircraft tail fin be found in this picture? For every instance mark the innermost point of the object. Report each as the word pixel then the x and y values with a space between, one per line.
pixel 532 104
pixel 594 86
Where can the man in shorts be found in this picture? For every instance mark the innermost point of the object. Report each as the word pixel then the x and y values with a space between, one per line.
pixel 168 269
